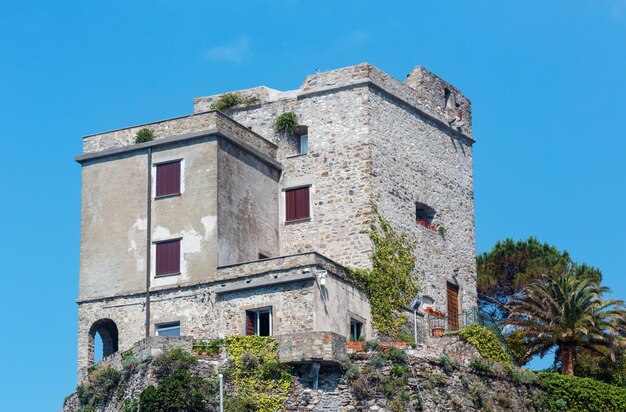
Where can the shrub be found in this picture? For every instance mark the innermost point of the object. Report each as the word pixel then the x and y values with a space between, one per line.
pixel 400 370
pixel 144 135
pixel 446 363
pixel 286 122
pixel 571 393
pixel 228 100
pixel 361 387
pixel 173 361
pixel 486 342
pixel 480 365
pixel 241 403
pixel 521 376
pixel 208 347
pixel 376 361
pixel 100 383
pixel 352 372
pixel 130 405
pixel 180 391
pixel 371 345
pixel 395 355
pixel 268 383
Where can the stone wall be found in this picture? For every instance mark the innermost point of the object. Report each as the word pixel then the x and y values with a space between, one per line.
pixel 415 160
pixel 289 285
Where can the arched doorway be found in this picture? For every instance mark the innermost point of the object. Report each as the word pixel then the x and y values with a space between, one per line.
pixel 107 330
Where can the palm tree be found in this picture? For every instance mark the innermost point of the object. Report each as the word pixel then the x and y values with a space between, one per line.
pixel 567 311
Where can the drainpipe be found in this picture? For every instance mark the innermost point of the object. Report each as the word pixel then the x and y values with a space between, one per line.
pixel 148 239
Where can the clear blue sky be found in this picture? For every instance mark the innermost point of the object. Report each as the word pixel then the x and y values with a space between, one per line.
pixel 546 80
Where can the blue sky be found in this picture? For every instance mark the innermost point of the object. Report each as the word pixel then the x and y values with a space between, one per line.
pixel 546 80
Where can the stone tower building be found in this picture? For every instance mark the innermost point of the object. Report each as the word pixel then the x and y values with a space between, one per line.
pixel 221 225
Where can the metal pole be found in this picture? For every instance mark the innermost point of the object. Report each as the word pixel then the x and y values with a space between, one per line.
pixel 415 325
pixel 221 392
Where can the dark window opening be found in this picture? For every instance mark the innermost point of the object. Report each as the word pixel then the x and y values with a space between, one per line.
pixel 356 330
pixel 259 322
pixel 453 306
pixel 168 329
pixel 297 204
pixel 424 215
pixel 168 257
pixel 168 179
pixel 263 256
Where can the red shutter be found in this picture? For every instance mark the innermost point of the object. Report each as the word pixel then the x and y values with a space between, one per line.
pixel 453 306
pixel 297 204
pixel 250 317
pixel 168 179
pixel 168 257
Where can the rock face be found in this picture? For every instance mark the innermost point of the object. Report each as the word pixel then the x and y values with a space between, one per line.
pixel 447 375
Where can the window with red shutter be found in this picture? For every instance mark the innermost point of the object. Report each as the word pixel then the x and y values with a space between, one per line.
pixel 168 257
pixel 168 179
pixel 259 322
pixel 297 204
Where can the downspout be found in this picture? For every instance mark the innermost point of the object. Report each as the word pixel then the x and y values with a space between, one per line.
pixel 148 240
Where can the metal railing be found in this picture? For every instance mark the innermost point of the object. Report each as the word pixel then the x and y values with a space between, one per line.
pixel 452 322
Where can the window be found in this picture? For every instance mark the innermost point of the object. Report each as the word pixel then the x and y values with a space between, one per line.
pixel 297 206
pixel 168 329
pixel 424 215
pixel 263 256
pixel 303 144
pixel 259 322
pixel 168 179
pixel 168 257
pixel 356 330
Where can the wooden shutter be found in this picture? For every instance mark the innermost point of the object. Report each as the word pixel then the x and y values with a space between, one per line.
pixel 297 204
pixel 168 179
pixel 250 318
pixel 453 306
pixel 168 257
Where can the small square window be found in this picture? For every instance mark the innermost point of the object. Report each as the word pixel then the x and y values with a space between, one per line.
pixel 168 179
pixel 356 330
pixel 297 204
pixel 168 329
pixel 168 257
pixel 259 322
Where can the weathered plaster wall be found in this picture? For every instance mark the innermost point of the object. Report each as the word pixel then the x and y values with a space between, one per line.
pixel 247 205
pixel 113 244
pixel 336 303
pixel 191 216
pixel 415 160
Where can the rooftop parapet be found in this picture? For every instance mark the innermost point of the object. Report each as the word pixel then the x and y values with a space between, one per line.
pixel 421 90
pixel 179 128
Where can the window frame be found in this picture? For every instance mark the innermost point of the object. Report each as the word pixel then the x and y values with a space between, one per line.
pixel 304 136
pixel 353 323
pixel 156 179
pixel 167 326
pixel 256 323
pixel 156 256
pixel 310 203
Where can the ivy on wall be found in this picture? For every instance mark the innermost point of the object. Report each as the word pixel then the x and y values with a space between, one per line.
pixel 390 285
pixel 258 380
pixel 486 342
pixel 571 393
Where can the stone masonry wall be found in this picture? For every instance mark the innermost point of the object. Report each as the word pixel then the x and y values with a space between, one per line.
pixel 416 160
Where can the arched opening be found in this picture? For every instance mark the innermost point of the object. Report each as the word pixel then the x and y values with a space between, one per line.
pixel 106 343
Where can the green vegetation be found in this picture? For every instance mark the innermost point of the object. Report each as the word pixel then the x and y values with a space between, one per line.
pixel 211 347
pixel 286 122
pixel 173 361
pixel 566 310
pixel 144 135
pixel 180 391
pixel 390 284
pixel 255 373
pixel 386 373
pixel 99 386
pixel 228 100
pixel 486 342
pixel 571 393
